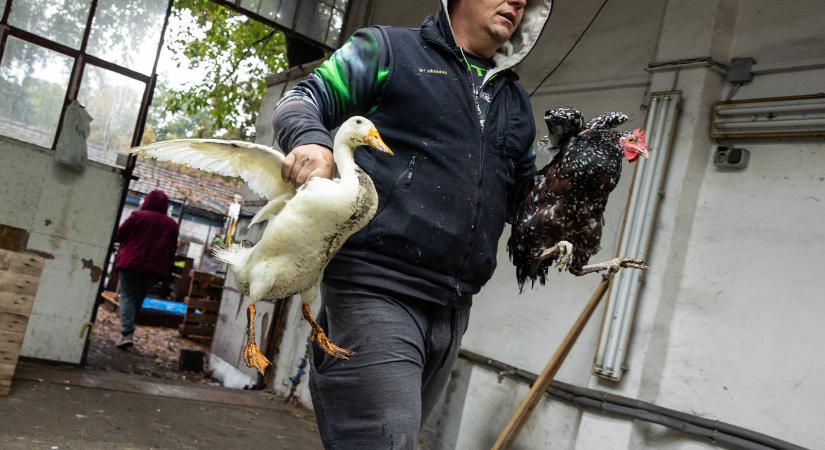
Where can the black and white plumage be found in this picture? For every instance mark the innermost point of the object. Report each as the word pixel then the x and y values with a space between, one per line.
pixel 560 218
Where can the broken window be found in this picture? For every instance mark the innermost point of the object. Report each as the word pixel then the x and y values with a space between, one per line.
pixel 52 52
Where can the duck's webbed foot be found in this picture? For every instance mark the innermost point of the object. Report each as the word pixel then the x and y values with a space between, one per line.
pixel 319 336
pixel 252 355
pixel 562 252
pixel 613 266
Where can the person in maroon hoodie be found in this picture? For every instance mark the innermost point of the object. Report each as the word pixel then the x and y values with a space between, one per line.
pixel 148 241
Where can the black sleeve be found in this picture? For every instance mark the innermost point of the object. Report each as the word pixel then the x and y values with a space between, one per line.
pixel 348 83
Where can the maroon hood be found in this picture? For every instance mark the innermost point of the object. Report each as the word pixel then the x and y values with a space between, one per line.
pixel 148 238
pixel 156 201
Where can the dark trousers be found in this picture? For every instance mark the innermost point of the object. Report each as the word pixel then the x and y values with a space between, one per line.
pixel 133 287
pixel 405 350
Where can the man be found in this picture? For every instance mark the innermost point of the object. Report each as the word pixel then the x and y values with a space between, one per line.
pixel 399 291
pixel 148 241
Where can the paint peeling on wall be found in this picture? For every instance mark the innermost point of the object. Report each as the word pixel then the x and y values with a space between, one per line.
pixel 94 270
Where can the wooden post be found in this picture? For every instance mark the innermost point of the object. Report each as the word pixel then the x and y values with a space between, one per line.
pixel 528 403
pixel 19 278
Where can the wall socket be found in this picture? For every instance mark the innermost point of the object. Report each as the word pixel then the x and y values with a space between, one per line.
pixel 731 157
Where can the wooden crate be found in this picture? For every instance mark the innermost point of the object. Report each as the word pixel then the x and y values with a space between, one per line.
pixel 19 278
pixel 205 285
pixel 201 317
pixel 182 275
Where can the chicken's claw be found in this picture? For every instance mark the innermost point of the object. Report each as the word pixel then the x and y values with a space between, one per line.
pixel 565 256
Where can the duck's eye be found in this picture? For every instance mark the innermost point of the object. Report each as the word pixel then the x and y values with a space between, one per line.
pixel 359 121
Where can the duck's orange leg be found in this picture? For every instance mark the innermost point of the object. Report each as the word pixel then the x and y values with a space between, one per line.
pixel 252 356
pixel 321 338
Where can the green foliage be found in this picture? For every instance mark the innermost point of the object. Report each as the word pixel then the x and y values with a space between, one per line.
pixel 236 54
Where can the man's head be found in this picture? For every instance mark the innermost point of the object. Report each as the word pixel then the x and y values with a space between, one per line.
pixel 482 26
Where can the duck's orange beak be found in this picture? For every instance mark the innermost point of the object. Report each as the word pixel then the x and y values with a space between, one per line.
pixel 374 140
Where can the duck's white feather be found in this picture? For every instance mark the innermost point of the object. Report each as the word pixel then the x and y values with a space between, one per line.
pixel 258 165
pixel 306 226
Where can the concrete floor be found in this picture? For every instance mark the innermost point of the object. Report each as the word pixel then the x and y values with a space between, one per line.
pixel 54 409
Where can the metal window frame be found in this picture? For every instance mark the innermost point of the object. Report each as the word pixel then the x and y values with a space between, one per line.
pixel 290 31
pixel 81 59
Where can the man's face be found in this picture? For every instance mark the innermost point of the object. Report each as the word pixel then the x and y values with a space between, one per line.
pixel 498 18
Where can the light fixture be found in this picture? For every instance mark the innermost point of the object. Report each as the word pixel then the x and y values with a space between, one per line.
pixel 769 117
pixel 640 217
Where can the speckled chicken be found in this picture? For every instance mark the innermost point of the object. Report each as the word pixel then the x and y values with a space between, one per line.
pixel 560 217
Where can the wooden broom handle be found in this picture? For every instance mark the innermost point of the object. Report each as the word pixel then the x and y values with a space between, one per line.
pixel 528 403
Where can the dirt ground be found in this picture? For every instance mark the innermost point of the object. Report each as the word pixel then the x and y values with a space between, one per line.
pixel 155 353
pixel 45 415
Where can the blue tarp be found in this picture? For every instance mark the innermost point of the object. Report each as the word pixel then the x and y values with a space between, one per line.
pixel 164 306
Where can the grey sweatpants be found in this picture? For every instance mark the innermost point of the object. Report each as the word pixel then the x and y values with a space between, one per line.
pixel 405 349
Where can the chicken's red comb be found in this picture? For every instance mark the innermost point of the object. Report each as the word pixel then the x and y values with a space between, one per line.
pixel 640 134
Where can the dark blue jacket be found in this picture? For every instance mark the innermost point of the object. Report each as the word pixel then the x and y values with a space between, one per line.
pixel 443 198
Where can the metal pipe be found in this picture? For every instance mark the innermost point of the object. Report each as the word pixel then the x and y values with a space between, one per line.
pixel 636 236
pixel 617 293
pixel 720 432
pixel 645 229
pixel 677 64
pixel 789 66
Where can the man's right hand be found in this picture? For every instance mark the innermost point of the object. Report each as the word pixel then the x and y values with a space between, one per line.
pixel 307 161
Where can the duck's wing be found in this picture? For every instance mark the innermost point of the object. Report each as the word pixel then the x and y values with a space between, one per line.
pixel 258 165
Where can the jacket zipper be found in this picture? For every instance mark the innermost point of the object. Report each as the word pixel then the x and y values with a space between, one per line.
pixel 474 224
pixel 465 258
pixel 410 170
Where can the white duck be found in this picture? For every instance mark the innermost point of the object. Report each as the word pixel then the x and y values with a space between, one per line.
pixel 307 225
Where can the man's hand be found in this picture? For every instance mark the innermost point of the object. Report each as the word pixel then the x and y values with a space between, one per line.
pixel 307 161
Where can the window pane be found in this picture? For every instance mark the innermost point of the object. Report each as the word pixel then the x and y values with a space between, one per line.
pixel 33 82
pixel 280 11
pixel 335 28
pixel 2 6
pixel 58 20
pixel 127 32
pixel 113 102
pixel 313 19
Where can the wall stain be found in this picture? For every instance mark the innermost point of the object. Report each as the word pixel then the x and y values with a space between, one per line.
pixel 47 222
pixel 61 229
pixel 94 270
pixel 40 254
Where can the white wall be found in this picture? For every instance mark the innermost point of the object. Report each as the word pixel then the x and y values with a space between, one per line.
pixel 742 339
pixel 728 318
pixel 69 216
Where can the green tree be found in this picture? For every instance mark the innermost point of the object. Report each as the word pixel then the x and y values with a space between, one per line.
pixel 236 54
